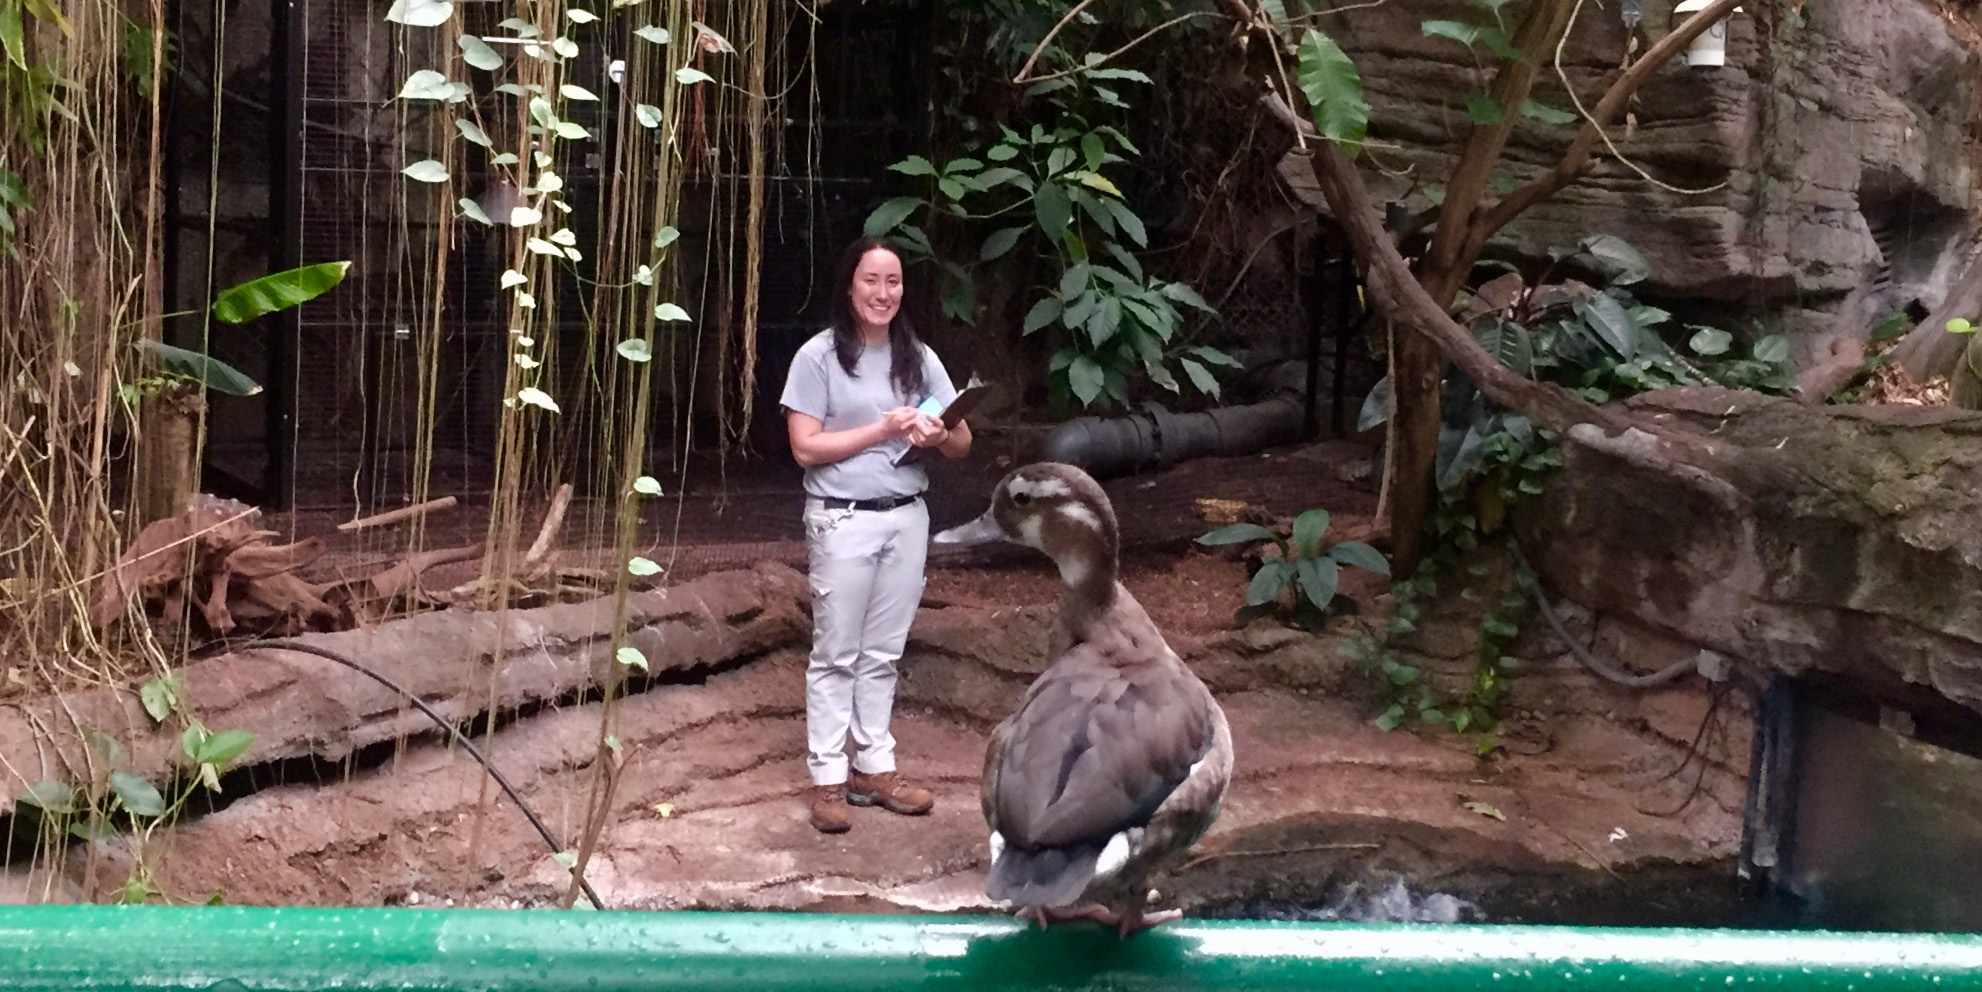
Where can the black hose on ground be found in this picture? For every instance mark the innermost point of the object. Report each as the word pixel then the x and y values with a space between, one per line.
pixel 1591 661
pixel 467 745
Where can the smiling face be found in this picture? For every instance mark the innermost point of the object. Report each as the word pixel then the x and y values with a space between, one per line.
pixel 875 294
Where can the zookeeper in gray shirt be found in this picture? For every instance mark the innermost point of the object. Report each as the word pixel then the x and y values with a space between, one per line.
pixel 849 405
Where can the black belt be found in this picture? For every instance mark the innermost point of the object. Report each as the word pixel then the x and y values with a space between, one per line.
pixel 884 503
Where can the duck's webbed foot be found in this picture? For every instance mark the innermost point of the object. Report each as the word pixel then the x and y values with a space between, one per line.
pixel 1046 915
pixel 1134 922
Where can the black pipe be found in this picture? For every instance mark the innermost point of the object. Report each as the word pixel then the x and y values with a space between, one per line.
pixel 1154 437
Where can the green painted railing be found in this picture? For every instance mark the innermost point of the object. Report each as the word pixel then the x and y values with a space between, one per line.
pixel 72 948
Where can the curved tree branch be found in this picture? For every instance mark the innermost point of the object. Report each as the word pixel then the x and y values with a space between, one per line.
pixel 1399 296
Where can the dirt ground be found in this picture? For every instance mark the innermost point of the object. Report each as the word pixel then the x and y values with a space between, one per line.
pixel 1597 808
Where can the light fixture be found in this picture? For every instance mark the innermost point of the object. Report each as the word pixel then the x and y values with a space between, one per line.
pixel 1710 46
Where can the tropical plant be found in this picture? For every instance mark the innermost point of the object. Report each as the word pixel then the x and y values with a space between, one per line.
pixel 1046 191
pixel 1303 565
pixel 239 304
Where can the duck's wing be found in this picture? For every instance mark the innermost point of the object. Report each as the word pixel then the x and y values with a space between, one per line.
pixel 1096 748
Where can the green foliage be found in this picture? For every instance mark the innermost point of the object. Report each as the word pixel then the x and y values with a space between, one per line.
pixel 1334 90
pixel 1045 194
pixel 1471 512
pixel 277 291
pixel 114 798
pixel 1591 336
pixel 1307 565
pixel 14 199
pixel 235 305
pixel 138 52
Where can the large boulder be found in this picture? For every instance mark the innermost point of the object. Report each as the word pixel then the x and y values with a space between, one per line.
pixel 1837 140
pixel 1841 543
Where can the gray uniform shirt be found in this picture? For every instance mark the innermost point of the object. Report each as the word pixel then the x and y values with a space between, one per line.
pixel 818 387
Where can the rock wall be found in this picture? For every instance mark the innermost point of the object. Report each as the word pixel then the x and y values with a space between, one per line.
pixel 1844 546
pixel 1839 140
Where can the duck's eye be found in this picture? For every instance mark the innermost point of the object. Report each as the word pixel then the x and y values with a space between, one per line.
pixel 1021 498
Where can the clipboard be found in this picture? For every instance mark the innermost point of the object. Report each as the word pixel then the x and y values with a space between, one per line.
pixel 952 415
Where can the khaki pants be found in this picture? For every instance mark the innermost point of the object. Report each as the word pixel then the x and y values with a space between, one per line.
pixel 867 576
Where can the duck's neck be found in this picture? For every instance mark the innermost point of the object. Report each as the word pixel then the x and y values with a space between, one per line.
pixel 1089 576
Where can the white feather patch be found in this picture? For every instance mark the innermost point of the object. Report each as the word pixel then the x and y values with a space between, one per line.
pixel 1082 514
pixel 1030 533
pixel 1117 852
pixel 1040 487
pixel 997 846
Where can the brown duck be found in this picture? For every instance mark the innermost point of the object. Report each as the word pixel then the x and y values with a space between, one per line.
pixel 1118 756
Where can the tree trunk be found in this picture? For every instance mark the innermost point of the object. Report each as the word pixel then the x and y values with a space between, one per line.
pixel 169 451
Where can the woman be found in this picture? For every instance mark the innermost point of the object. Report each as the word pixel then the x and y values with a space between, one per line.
pixel 850 410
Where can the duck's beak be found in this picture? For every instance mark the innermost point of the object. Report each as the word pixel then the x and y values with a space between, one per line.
pixel 983 530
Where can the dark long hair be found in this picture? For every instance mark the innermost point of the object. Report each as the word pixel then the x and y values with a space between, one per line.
pixel 905 349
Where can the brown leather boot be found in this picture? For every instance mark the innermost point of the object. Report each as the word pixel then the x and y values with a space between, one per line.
pixel 829 812
pixel 889 791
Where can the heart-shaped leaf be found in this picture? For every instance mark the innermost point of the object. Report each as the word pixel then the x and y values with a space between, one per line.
pixel 137 795
pixel 647 485
pixel 641 567
pixel 426 171
pixel 670 311
pixel 473 132
pixel 537 398
pixel 160 696
pixel 648 115
pixel 631 657
pixel 473 211
pixel 1710 341
pixel 1773 349
pixel 420 13
pixel 55 797
pixel 221 748
pixel 426 84
pixel 658 36
pixel 635 350
pixel 689 76
pixel 477 53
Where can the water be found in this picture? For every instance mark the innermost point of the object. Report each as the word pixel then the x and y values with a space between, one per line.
pixel 1376 902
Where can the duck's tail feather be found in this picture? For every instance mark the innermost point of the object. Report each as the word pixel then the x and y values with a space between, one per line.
pixel 1046 876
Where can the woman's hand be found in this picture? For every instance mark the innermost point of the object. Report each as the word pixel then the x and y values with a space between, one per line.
pixel 812 444
pixel 901 421
pixel 928 432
